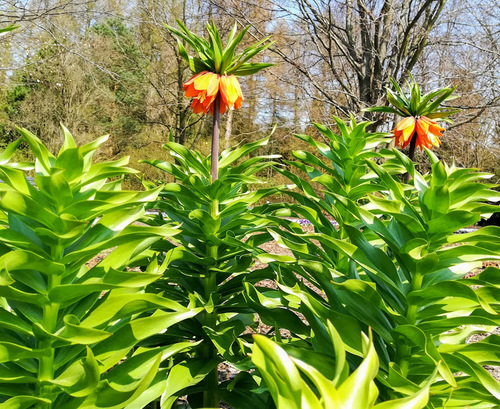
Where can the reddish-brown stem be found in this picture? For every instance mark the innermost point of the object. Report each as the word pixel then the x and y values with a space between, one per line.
pixel 411 153
pixel 214 164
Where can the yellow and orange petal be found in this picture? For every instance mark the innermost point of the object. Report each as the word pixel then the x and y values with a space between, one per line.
pixel 428 132
pixel 404 131
pixel 231 93
pixel 425 130
pixel 204 88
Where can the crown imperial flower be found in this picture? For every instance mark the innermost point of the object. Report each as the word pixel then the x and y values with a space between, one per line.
pixel 417 128
pixel 425 129
pixel 216 69
pixel 204 88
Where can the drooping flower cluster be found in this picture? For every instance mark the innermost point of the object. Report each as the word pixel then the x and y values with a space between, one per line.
pixel 417 128
pixel 426 130
pixel 204 88
pixel 217 68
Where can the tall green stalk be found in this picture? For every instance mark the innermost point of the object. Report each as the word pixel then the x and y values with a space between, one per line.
pixel 210 395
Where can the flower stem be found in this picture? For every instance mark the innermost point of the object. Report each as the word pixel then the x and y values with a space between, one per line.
pixel 214 164
pixel 411 153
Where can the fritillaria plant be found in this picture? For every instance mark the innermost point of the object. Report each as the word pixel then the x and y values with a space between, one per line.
pixel 215 87
pixel 419 127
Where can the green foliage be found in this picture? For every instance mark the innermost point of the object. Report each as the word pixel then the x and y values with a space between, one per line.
pixel 415 104
pixel 209 264
pixel 70 331
pixel 306 378
pixel 394 264
pixel 213 57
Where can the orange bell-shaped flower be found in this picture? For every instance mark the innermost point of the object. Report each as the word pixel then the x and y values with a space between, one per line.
pixel 427 133
pixel 426 130
pixel 204 88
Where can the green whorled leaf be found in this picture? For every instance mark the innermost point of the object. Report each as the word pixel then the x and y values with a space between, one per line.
pixel 476 317
pixel 26 260
pixel 359 390
pixel 45 159
pixel 158 385
pixel 244 392
pixel 183 254
pixel 105 202
pixel 108 394
pixel 436 201
pixel 270 258
pixel 445 289
pixel 460 362
pixel 151 393
pixel 464 254
pixel 104 279
pixel 445 95
pixel 230 156
pixel 88 149
pixel 97 174
pixel 110 351
pixel 183 375
pixel 483 352
pixel 415 336
pixel 181 193
pixel 189 158
pixel 365 303
pixel 167 167
pixel 490 277
pixel 119 304
pixel 69 142
pixel 15 375
pixel 72 163
pixel 75 333
pixel 225 335
pixel 281 376
pixel 317 314
pixel 81 378
pixel 388 110
pixel 10 149
pixel 14 294
pixel 13 322
pixel 269 306
pixel 451 222
pixel 469 394
pixel 107 227
pixel 130 243
pixel 396 381
pixel 418 400
pixel 14 179
pixel 13 352
pixel 378 259
pixel 24 402
pixel 287 243
pixel 19 204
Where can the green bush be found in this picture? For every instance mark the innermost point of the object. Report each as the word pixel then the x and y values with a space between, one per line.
pixel 395 264
pixel 70 332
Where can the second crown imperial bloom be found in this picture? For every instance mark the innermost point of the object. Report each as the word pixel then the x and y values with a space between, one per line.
pixel 204 88
pixel 427 132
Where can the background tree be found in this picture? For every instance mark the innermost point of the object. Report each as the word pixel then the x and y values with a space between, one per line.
pixel 118 71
